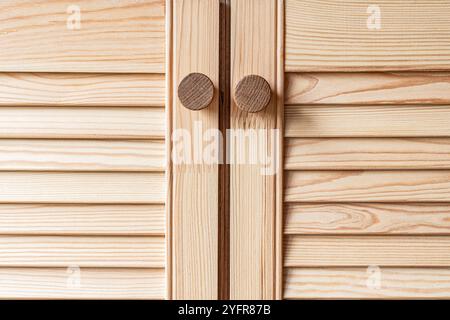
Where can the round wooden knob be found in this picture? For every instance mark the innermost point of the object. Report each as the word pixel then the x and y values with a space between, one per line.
pixel 252 93
pixel 195 91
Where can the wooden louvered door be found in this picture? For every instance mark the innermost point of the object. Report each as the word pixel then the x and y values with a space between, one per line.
pixel 365 190
pixel 82 151
pixel 343 193
pixel 367 149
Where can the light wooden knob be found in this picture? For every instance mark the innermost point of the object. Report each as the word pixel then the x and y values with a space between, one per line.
pixel 195 91
pixel 252 93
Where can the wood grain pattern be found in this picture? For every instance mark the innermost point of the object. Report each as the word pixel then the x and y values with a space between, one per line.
pixel 72 219
pixel 61 187
pixel 368 88
pixel 252 218
pixel 339 35
pixel 366 186
pixel 125 36
pixel 196 91
pixel 81 123
pixel 367 218
pixel 367 121
pixel 168 134
pixel 81 89
pixel 279 196
pixel 329 251
pixel 195 185
pixel 82 155
pixel 95 283
pixel 252 93
pixel 78 251
pixel 361 283
pixel 367 153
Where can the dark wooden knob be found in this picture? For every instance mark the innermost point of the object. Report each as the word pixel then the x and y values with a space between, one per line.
pixel 195 91
pixel 252 93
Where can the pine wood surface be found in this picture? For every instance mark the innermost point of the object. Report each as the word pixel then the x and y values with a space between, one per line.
pixel 82 251
pixel 81 123
pixel 82 155
pixel 93 283
pixel 368 88
pixel 82 219
pixel 195 187
pixel 81 89
pixel 367 121
pixel 367 218
pixel 362 283
pixel 366 153
pixel 81 187
pixel 334 35
pixel 367 186
pixel 253 195
pixel 114 36
pixel 382 251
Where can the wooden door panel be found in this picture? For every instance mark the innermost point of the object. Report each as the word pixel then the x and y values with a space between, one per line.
pixel 82 149
pixel 45 36
pixel 352 283
pixel 367 36
pixel 366 160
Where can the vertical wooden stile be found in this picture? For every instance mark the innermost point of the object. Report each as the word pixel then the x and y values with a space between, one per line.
pixel 195 186
pixel 168 143
pixel 254 209
pixel 279 224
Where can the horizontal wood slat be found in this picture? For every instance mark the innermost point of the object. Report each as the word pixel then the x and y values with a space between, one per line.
pixel 78 251
pixel 55 187
pixel 365 186
pixel 114 36
pixel 368 88
pixel 367 121
pixel 82 123
pixel 82 89
pixel 345 35
pixel 82 155
pixel 72 219
pixel 367 218
pixel 94 283
pixel 367 153
pixel 329 251
pixel 363 283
